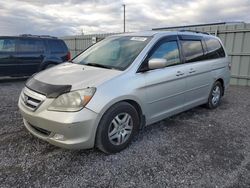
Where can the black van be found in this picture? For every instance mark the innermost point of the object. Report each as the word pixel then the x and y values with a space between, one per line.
pixel 26 54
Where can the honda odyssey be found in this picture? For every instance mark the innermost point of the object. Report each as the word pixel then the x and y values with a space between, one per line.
pixel 107 93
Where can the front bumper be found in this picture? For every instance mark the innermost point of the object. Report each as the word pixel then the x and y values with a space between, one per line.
pixel 77 129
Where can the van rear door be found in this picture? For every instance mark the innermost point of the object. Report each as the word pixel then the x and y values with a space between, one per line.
pixel 198 70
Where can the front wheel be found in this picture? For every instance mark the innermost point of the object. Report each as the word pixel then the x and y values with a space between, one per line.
pixel 117 128
pixel 215 96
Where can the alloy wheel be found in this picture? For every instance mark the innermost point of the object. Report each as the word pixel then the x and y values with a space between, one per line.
pixel 216 94
pixel 120 129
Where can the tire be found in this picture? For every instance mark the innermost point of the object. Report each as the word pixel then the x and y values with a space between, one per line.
pixel 215 96
pixel 112 136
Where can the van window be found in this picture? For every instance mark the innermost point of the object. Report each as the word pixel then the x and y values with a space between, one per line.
pixel 192 50
pixel 169 51
pixel 30 45
pixel 116 52
pixel 57 46
pixel 214 48
pixel 7 45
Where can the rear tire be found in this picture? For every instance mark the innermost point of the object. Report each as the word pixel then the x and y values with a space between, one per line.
pixel 117 128
pixel 215 96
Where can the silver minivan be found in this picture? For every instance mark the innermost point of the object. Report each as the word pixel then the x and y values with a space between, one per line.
pixel 105 95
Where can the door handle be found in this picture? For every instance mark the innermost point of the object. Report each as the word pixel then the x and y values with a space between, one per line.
pixel 192 70
pixel 179 73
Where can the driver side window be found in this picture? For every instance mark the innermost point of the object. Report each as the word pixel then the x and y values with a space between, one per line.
pixel 169 51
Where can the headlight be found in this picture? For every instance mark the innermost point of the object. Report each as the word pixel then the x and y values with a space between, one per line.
pixel 72 101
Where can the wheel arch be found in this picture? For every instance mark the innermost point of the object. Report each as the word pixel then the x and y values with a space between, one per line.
pixel 135 103
pixel 138 109
pixel 222 84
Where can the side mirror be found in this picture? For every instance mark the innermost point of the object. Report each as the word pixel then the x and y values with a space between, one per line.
pixel 157 63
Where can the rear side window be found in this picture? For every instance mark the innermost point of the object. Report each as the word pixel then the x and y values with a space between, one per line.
pixel 214 48
pixel 30 45
pixel 7 45
pixel 169 51
pixel 192 50
pixel 57 46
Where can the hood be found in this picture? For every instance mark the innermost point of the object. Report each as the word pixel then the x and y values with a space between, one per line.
pixel 78 76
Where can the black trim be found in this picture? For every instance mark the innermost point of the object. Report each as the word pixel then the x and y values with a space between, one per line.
pixel 143 122
pixel 193 31
pixel 40 130
pixel 49 90
pixel 204 46
pixel 182 57
pixel 189 37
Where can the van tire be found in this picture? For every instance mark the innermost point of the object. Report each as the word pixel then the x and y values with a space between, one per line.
pixel 106 127
pixel 215 96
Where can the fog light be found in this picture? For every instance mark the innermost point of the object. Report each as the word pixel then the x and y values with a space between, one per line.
pixel 58 137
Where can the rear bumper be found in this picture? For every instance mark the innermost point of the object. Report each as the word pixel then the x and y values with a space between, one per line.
pixel 71 130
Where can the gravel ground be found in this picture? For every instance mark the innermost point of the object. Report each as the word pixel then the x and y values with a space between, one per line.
pixel 198 148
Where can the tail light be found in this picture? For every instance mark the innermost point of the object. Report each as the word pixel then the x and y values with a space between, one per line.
pixel 68 56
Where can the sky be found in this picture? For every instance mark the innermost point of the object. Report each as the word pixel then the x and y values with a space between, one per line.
pixel 74 17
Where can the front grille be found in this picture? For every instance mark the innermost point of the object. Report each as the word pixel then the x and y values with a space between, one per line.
pixel 31 99
pixel 40 130
pixel 31 102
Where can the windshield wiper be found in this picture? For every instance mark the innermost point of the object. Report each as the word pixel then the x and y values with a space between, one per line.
pixel 98 65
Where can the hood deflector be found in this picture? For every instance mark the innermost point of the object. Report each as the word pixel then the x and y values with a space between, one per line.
pixel 51 91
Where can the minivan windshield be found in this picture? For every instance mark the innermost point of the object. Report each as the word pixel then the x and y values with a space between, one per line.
pixel 113 53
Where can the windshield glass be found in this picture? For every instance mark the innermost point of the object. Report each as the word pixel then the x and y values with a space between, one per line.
pixel 113 52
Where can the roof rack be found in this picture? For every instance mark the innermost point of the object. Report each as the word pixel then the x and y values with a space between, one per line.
pixel 38 36
pixel 194 31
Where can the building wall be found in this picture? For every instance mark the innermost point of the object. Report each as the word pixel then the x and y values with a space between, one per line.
pixel 235 37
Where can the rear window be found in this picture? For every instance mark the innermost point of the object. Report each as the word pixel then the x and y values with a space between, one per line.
pixel 57 46
pixel 30 45
pixel 192 50
pixel 7 45
pixel 214 48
